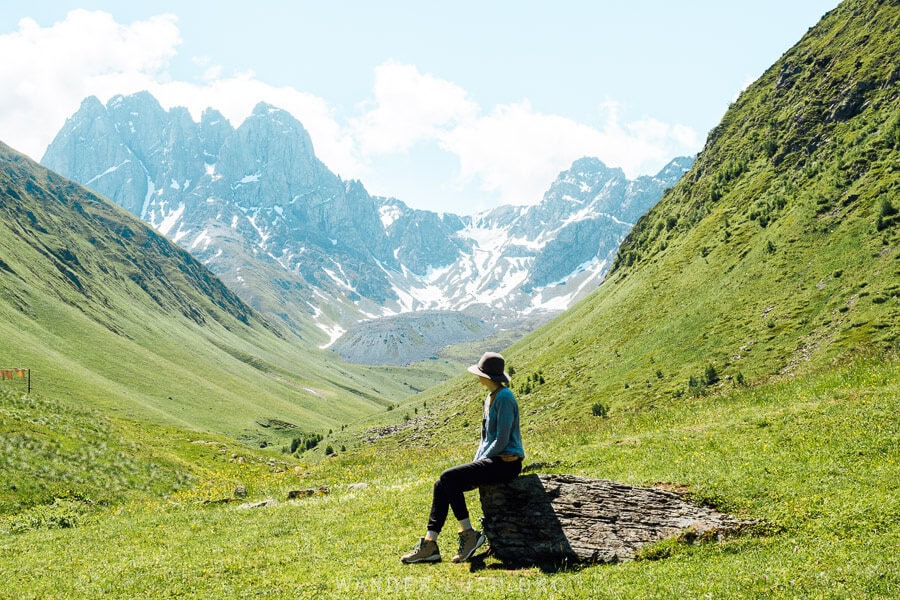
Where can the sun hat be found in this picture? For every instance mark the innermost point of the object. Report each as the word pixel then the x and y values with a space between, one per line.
pixel 491 366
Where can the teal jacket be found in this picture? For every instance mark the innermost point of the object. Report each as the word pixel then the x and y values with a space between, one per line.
pixel 500 427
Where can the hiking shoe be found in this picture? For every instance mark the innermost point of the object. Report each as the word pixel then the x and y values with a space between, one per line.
pixel 469 541
pixel 425 551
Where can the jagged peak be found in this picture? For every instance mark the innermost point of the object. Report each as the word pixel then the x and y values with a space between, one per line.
pixel 588 162
pixel 355 186
pixel 139 98
pixel 181 113
pixel 91 104
pixel 591 164
pixel 211 116
pixel 264 109
pixel 676 167
pixel 265 112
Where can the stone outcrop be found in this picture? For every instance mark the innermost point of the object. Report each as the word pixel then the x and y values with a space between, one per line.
pixel 565 520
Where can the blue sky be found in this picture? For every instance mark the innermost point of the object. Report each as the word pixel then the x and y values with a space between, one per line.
pixel 449 106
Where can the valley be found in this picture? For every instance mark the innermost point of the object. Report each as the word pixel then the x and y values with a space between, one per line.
pixel 187 436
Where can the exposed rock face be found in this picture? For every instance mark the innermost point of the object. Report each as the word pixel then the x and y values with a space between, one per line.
pixel 406 338
pixel 318 253
pixel 565 519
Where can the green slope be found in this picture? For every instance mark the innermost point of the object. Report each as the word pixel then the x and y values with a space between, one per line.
pixel 745 348
pixel 109 314
pixel 776 255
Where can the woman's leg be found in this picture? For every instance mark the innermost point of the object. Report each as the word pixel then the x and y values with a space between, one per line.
pixel 449 489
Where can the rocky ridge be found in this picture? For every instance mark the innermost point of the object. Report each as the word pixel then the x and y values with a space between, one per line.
pixel 321 254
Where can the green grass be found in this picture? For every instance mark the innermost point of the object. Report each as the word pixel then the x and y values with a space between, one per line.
pixel 111 316
pixel 774 263
pixel 816 457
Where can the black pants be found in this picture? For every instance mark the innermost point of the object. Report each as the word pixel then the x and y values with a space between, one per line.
pixel 448 490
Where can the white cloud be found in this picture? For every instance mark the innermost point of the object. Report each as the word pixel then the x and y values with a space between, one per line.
pixel 46 72
pixel 88 53
pixel 409 107
pixel 517 152
pixel 509 152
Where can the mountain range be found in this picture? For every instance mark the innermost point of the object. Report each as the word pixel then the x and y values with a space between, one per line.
pixel 108 313
pixel 320 254
pixel 744 351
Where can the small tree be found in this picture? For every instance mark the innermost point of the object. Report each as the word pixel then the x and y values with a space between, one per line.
pixel 600 410
pixel 695 386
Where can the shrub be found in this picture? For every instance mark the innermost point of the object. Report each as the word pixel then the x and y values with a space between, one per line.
pixel 600 410
pixel 307 443
pixel 695 386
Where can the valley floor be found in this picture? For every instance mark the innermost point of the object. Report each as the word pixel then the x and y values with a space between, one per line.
pixel 815 457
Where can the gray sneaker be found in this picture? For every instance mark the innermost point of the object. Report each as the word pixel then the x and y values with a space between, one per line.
pixel 425 551
pixel 469 542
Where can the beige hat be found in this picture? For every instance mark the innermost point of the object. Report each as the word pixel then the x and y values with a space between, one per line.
pixel 491 366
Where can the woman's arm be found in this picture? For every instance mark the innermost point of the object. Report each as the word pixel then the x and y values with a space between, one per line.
pixel 503 411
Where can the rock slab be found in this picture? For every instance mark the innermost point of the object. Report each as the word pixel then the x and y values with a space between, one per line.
pixel 566 519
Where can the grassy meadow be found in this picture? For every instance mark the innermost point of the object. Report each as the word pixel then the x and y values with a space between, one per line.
pixel 815 457
pixel 744 349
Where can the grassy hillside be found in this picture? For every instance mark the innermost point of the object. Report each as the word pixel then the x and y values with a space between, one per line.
pixel 814 456
pixel 108 314
pixel 744 349
pixel 777 254
pixel 62 463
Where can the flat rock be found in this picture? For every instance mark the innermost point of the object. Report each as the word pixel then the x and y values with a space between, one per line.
pixel 566 519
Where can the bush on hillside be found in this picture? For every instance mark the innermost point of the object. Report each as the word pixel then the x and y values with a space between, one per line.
pixel 600 410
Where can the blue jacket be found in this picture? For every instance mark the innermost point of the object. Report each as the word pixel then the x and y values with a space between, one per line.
pixel 500 428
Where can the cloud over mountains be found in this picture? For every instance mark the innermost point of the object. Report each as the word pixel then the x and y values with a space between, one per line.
pixel 500 153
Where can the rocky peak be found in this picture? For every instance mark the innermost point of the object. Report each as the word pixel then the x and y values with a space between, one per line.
pixel 214 130
pixel 298 243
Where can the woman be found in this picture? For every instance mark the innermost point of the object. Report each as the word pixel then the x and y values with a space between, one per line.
pixel 499 459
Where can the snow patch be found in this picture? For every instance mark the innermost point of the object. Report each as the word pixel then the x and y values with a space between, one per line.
pixel 150 190
pixel 215 256
pixel 170 220
pixel 334 333
pixel 107 172
pixel 389 214
pixel 180 234
pixel 202 238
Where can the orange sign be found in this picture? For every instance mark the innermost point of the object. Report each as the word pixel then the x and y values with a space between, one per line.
pixel 13 373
